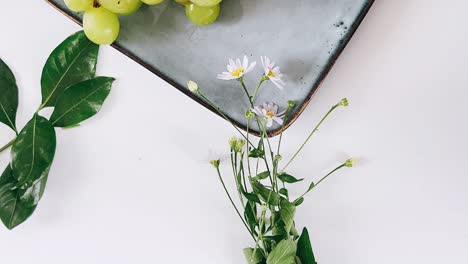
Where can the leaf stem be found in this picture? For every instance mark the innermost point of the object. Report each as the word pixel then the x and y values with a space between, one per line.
pixel 9 144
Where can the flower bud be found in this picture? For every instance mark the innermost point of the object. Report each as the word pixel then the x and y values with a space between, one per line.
pixel 351 163
pixel 240 145
pixel 249 114
pixel 344 102
pixel 291 104
pixel 232 143
pixel 193 87
pixel 215 163
pixel 278 157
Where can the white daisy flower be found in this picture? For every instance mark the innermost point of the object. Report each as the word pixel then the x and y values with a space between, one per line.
pixel 272 72
pixel 270 112
pixel 237 69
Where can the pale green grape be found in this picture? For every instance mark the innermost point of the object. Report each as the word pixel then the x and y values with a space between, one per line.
pixel 152 2
pixel 206 2
pixel 201 15
pixel 123 7
pixel 79 5
pixel 101 26
pixel 182 2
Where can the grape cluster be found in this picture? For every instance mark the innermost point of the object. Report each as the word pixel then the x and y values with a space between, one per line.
pixel 101 22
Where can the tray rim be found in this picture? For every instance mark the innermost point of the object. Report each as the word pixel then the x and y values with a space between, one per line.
pixel 353 29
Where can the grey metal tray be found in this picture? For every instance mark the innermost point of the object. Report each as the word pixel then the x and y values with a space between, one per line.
pixel 305 37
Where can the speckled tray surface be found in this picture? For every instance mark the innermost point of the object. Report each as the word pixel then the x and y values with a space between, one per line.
pixel 305 37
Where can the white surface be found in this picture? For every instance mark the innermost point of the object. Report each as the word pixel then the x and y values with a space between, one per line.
pixel 131 185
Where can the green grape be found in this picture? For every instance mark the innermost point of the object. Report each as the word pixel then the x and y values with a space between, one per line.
pixel 201 15
pixel 101 26
pixel 79 5
pixel 206 2
pixel 152 2
pixel 183 2
pixel 123 7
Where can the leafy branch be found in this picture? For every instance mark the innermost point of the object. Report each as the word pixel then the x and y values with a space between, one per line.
pixel 70 86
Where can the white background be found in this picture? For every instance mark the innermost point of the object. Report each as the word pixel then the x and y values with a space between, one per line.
pixel 132 184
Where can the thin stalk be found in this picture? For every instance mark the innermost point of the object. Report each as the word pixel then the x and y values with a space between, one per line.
pixel 324 178
pixel 241 80
pixel 233 204
pixel 248 158
pixel 310 136
pixel 254 97
pixel 9 144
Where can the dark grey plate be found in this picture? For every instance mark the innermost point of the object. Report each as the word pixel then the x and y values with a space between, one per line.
pixel 305 37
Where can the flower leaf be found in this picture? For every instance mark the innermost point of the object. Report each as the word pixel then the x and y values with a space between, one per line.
pixel 284 192
pixel 73 61
pixel 250 214
pixel 262 176
pixel 256 153
pixel 13 211
pixel 251 197
pixel 266 194
pixel 284 253
pixel 251 258
pixel 81 101
pixel 298 201
pixel 304 248
pixel 33 151
pixel 8 96
pixel 287 214
pixel 284 177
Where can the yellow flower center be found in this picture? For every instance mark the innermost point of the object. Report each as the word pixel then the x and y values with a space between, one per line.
pixel 270 113
pixel 271 73
pixel 237 72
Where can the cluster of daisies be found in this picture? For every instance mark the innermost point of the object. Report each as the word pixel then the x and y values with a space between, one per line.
pixel 237 69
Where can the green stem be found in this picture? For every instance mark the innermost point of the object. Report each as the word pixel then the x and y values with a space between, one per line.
pixel 324 178
pixel 233 204
pixel 241 80
pixel 310 136
pixel 254 97
pixel 9 144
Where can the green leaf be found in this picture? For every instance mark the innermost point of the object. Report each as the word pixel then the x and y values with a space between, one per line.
pixel 81 101
pixel 304 248
pixel 266 194
pixel 251 258
pixel 311 186
pixel 251 197
pixel 13 211
pixel 32 195
pixel 284 192
pixel 256 153
pixel 284 253
pixel 284 177
pixel 298 201
pixel 8 96
pixel 262 176
pixel 33 151
pixel 250 213
pixel 73 61
pixel 287 214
